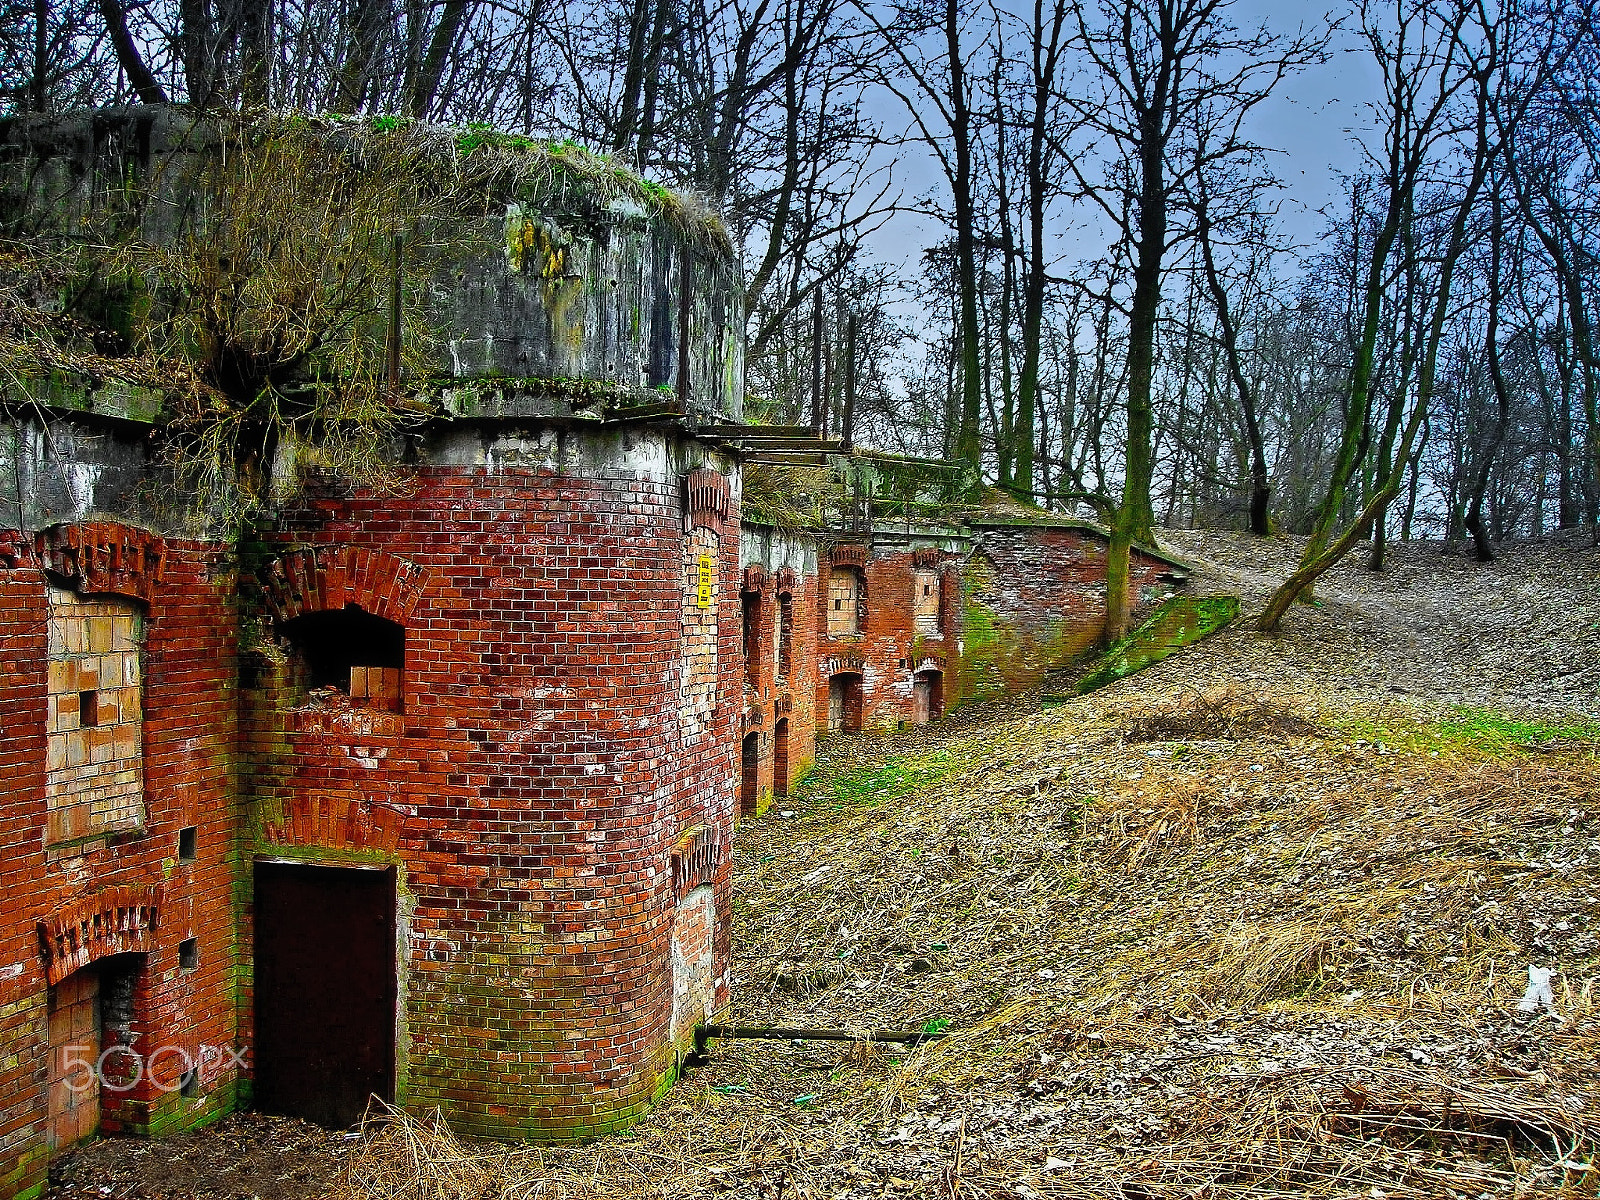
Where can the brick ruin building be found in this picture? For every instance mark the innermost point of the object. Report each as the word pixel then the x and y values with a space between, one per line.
pixel 429 789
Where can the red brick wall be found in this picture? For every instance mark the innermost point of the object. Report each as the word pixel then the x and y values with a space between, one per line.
pixel 779 569
pixel 551 757
pixel 1035 602
pixel 188 662
pixel 891 648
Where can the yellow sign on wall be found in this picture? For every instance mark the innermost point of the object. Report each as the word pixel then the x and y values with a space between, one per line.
pixel 708 575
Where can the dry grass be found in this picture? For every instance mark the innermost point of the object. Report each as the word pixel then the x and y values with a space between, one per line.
pixel 1222 713
pixel 1248 960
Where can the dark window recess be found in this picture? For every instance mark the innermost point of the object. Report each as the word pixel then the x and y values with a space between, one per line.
pixel 189 1084
pixel 189 954
pixel 351 651
pixel 188 844
pixel 785 635
pixel 88 709
pixel 750 615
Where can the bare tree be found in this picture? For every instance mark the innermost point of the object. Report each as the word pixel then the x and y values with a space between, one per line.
pixel 1157 73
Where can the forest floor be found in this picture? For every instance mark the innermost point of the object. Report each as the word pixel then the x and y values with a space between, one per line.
pixel 1254 922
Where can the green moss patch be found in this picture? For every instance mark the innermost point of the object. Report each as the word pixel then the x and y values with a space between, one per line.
pixel 1179 622
pixel 872 786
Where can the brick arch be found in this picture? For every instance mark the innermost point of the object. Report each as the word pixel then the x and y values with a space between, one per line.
pixel 332 822
pixel 118 920
pixel 322 578
pixel 843 664
pixel 707 499
pixel 786 582
pixel 848 554
pixel 99 557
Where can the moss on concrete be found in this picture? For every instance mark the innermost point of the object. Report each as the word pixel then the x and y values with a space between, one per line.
pixel 1179 622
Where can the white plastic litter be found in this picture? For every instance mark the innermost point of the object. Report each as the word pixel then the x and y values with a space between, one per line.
pixel 1538 994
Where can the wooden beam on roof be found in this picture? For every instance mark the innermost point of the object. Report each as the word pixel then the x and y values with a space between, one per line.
pixel 732 432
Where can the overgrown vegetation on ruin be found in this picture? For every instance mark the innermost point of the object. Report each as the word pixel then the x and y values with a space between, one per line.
pixel 281 314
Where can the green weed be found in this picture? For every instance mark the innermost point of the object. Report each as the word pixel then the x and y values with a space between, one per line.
pixel 870 786
pixel 1468 730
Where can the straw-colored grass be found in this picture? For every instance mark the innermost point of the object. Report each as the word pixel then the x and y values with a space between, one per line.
pixel 1243 955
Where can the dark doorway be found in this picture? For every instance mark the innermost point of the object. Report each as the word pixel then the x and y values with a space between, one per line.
pixel 750 773
pixel 324 990
pixel 780 758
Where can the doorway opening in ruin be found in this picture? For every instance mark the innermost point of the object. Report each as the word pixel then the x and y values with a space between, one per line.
pixel 90 1017
pixel 927 697
pixel 325 990
pixel 844 703
pixel 780 757
pixel 76 1043
pixel 350 650
pixel 749 773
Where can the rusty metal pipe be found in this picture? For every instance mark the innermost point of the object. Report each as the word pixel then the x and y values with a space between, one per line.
pixel 704 1033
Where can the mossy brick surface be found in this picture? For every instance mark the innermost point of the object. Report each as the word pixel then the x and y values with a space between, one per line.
pixel 1179 622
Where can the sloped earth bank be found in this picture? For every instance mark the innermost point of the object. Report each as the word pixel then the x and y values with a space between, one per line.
pixel 1255 922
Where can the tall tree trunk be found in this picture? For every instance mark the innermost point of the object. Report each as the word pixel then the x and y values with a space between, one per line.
pixel 969 445
pixel 133 66
pixel 1482 548
pixel 441 46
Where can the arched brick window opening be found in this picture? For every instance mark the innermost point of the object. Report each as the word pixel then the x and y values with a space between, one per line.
pixel 750 617
pixel 847 598
pixel 844 703
pixel 927 696
pixel 94 769
pixel 785 635
pixel 780 757
pixel 749 773
pixel 351 653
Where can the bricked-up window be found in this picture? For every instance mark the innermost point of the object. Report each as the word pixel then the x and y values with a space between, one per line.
pixel 750 631
pixel 845 597
pixel 785 635
pixel 925 604
pixel 94 770
pixel 697 690
pixel 350 653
